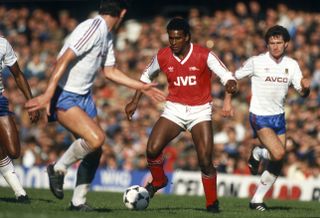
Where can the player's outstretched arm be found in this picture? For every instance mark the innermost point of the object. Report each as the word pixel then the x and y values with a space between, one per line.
pixel 149 89
pixel 43 101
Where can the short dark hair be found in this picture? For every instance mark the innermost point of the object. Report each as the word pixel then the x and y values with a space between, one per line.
pixel 179 23
pixel 277 30
pixel 112 7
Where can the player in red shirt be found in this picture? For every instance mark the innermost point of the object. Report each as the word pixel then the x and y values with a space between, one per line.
pixel 188 68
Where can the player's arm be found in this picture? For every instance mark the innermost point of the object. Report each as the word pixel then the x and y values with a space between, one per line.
pixel 300 83
pixel 21 80
pixel 226 77
pixel 131 107
pixel 246 70
pixel 43 101
pixel 305 87
pixel 58 70
pixel 151 71
pixel 23 85
pixel 148 89
pixel 227 109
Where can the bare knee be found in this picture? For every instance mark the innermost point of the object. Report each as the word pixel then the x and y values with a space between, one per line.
pixel 206 166
pixel 97 140
pixel 153 151
pixel 278 155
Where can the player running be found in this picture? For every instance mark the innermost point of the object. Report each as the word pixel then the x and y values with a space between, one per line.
pixel 271 75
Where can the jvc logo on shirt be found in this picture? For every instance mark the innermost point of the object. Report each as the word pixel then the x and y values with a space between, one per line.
pixel 276 79
pixel 185 81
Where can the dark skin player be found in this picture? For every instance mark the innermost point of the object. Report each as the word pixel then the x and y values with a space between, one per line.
pixel 166 130
pixel 9 137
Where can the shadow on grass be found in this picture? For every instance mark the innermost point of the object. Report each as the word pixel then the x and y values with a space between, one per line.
pixel 280 208
pixel 14 200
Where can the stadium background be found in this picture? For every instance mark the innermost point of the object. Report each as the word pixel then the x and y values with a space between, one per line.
pixel 36 30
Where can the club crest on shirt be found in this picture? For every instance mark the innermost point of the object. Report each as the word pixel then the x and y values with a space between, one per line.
pixel 193 68
pixel 170 69
pixel 286 71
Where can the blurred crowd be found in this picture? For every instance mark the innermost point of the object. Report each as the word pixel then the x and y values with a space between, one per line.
pixel 234 35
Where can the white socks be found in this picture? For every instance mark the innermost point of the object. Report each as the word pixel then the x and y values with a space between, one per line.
pixel 260 153
pixel 266 181
pixel 79 194
pixel 77 150
pixel 9 174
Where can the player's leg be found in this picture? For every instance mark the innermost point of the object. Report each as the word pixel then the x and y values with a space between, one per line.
pixel 85 176
pixel 91 138
pixel 203 140
pixel 10 149
pixel 162 133
pixel 276 145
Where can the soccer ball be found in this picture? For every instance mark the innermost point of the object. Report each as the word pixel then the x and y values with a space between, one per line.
pixel 136 198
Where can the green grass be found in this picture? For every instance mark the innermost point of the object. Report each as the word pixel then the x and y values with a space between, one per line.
pixel 109 204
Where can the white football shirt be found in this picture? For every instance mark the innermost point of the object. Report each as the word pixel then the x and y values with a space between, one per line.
pixel 93 45
pixel 7 58
pixel 270 82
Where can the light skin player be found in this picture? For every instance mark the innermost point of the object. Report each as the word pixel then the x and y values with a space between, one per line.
pixel 271 75
pixel 9 136
pixel 188 68
pixel 68 98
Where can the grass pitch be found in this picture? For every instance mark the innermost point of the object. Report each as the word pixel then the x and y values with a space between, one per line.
pixel 109 204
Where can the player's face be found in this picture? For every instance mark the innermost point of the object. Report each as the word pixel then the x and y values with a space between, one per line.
pixel 277 46
pixel 179 42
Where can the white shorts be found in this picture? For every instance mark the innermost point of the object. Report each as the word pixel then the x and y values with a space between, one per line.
pixel 187 116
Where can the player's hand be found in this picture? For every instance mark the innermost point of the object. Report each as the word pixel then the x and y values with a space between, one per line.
pixel 37 103
pixel 154 93
pixel 34 116
pixel 130 109
pixel 231 86
pixel 305 85
pixel 227 109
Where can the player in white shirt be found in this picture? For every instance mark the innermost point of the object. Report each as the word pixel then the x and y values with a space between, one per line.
pixel 68 97
pixel 271 75
pixel 9 140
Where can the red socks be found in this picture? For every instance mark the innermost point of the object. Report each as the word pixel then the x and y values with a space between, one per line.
pixel 156 168
pixel 210 188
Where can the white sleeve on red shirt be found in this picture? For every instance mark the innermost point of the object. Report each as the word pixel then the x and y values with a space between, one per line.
pixel 151 72
pixel 216 66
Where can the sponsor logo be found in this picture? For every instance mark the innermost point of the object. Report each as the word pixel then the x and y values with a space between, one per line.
pixel 185 81
pixel 276 79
